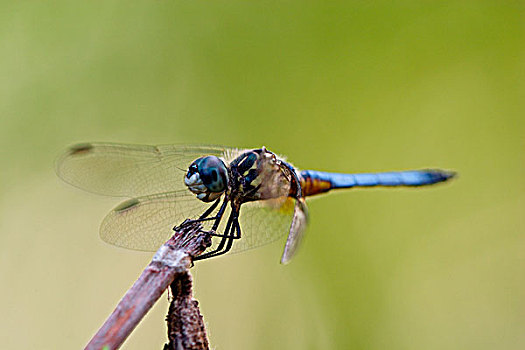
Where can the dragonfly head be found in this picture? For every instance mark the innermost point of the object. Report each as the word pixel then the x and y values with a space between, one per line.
pixel 207 177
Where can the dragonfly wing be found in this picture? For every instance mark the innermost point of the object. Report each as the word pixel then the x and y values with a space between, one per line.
pixel 297 229
pixel 264 221
pixel 145 223
pixel 130 170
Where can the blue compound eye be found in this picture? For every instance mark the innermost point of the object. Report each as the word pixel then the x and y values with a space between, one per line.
pixel 213 173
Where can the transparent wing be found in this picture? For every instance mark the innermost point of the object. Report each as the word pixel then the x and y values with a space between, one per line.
pixel 299 222
pixel 130 170
pixel 145 223
pixel 261 222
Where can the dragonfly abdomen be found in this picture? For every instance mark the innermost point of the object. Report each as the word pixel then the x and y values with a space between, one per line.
pixel 315 182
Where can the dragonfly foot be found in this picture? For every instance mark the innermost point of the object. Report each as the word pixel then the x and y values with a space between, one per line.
pixel 209 232
pixel 184 224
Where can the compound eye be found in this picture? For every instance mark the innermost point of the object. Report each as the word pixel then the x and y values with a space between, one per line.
pixel 213 173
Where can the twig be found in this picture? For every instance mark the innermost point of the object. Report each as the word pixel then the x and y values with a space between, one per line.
pixel 170 265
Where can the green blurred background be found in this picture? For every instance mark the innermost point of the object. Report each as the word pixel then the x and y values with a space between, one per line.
pixel 343 86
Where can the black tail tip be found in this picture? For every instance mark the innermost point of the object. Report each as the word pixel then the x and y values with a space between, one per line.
pixel 443 175
pixel 450 174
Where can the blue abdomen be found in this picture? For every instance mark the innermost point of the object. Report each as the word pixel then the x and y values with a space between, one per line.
pixel 317 181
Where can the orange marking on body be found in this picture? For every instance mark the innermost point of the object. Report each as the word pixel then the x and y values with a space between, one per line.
pixel 314 186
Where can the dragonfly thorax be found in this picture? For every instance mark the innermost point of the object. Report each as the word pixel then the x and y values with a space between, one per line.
pixel 258 175
pixel 207 177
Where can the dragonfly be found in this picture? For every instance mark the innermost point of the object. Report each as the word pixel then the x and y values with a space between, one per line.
pixel 244 197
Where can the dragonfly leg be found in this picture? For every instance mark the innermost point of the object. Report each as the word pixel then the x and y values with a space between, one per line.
pixel 210 209
pixel 237 228
pixel 221 244
pixel 233 231
pixel 204 216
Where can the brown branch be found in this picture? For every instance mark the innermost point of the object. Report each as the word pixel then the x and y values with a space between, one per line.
pixel 170 265
pixel 186 328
